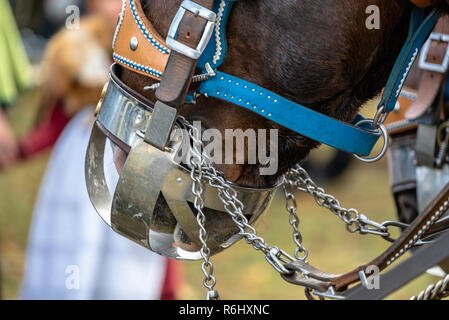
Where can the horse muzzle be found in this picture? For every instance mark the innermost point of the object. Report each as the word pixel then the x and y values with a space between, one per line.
pixel 152 203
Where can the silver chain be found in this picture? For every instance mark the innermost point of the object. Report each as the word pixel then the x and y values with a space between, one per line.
pixel 196 174
pixel 301 253
pixel 354 221
pixel 295 179
pixel 203 169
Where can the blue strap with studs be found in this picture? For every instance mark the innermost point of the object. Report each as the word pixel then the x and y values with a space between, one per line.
pixel 307 122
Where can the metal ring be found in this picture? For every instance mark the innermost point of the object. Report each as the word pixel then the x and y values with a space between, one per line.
pixel 396 224
pixel 384 132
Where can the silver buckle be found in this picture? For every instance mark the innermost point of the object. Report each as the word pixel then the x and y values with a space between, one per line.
pixel 423 64
pixel 198 10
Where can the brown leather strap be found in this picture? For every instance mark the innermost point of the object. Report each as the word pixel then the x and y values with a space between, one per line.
pixel 396 123
pixel 180 68
pixel 440 226
pixel 432 84
pixel 306 275
pixel 427 86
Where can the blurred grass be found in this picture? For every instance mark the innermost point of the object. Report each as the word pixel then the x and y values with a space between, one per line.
pixel 241 272
pixel 18 190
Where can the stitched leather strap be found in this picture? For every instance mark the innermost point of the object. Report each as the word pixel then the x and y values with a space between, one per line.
pixel 340 283
pixel 423 89
pixel 137 45
pixel 418 34
pixel 421 260
pixel 320 280
pixel 432 83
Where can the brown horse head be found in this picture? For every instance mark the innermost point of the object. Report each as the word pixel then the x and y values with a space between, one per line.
pixel 318 53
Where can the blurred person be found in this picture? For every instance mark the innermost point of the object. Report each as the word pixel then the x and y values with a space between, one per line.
pixel 72 253
pixel 57 104
pixel 8 144
pixel 15 75
pixel 61 98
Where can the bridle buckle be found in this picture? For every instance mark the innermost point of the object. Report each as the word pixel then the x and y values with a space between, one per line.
pixel 198 10
pixel 424 65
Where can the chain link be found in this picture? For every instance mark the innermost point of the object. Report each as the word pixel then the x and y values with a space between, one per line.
pixel 196 174
pixel 355 222
pixel 301 253
pixel 202 168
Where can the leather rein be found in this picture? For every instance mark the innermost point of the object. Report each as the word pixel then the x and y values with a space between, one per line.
pixel 138 47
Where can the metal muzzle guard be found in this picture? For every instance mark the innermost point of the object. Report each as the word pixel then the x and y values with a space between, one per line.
pixel 153 193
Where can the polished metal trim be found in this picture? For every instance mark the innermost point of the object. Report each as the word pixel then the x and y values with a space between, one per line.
pixel 149 173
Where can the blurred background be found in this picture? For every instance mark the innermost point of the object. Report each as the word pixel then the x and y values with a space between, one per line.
pixel 30 109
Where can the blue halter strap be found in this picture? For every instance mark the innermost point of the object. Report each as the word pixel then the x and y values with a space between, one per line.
pixel 420 28
pixel 353 138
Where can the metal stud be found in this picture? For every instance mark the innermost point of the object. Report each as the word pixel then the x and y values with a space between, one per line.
pixel 133 43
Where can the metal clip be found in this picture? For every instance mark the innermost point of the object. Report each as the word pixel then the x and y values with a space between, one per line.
pixel 380 117
pixel 277 258
pixel 379 229
pixel 402 226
